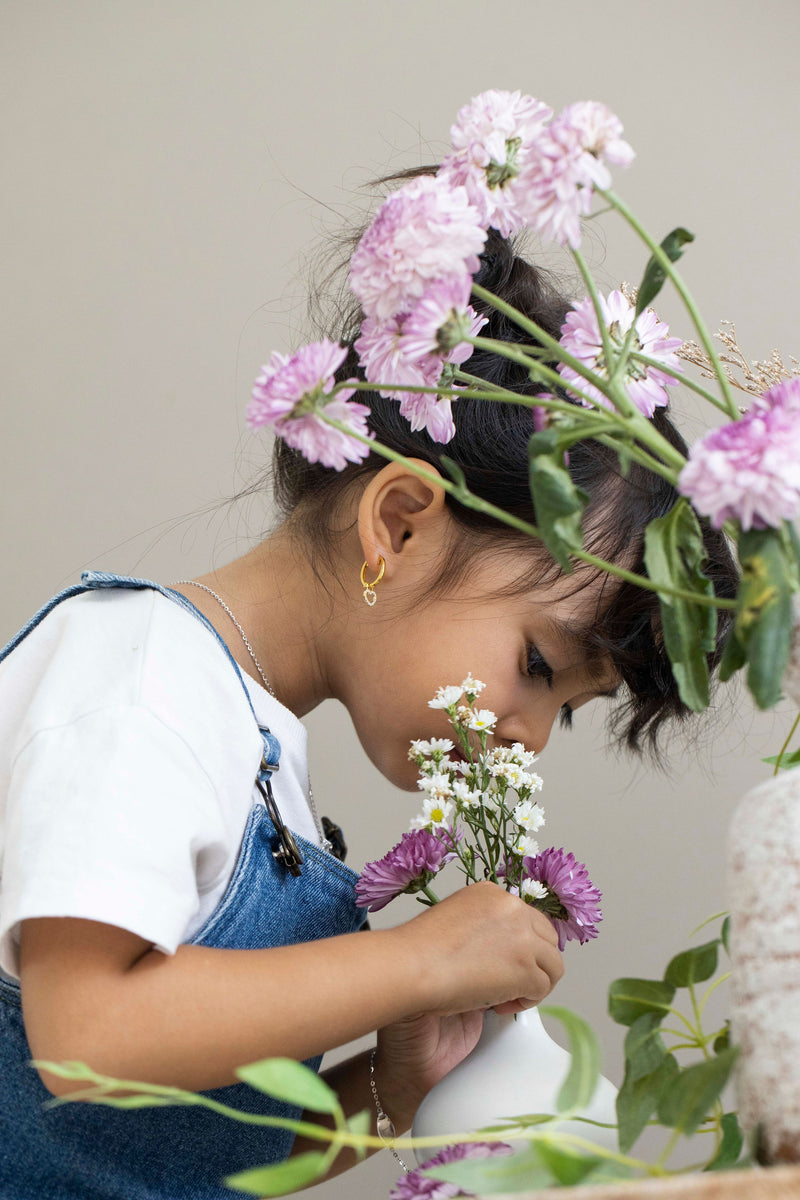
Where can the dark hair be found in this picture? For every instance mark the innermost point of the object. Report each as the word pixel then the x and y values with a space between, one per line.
pixel 490 447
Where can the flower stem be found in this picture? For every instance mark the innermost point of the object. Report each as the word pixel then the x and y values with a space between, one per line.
pixel 470 500
pixel 430 893
pixel 666 264
pixel 785 745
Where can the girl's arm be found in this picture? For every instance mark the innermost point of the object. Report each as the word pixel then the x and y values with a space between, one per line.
pixel 98 994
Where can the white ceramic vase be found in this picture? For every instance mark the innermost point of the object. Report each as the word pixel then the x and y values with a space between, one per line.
pixel 515 1068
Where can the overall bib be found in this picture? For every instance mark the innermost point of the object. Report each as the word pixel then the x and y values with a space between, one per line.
pixel 79 1151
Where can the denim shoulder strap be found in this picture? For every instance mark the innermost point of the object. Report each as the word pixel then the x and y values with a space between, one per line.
pixel 95 580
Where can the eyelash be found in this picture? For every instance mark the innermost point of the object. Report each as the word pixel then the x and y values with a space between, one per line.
pixel 539 668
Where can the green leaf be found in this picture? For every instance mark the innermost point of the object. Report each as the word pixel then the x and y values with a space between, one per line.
pixel 644 1046
pixel 731 1145
pixel 693 966
pixel 764 614
pixel 141 1100
pixel 557 502
pixel 723 1040
pixel 567 1165
pixel 688 1098
pixel 786 760
pixel 292 1081
pixel 629 998
pixel 637 1100
pixel 278 1179
pixel 654 273
pixel 674 554
pixel 581 1081
pixel 523 1171
pixel 725 935
pixel 360 1124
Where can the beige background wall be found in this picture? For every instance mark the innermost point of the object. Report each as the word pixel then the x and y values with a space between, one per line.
pixel 169 164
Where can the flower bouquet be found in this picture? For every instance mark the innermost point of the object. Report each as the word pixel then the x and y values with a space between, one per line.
pixel 478 812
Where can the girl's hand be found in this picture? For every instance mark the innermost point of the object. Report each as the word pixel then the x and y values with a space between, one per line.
pixel 482 948
pixel 415 1053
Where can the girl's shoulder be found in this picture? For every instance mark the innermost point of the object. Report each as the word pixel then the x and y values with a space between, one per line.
pixel 120 648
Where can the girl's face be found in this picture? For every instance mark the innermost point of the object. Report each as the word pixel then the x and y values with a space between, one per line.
pixel 525 648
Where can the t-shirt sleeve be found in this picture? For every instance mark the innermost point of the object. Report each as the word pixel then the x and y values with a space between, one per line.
pixel 111 818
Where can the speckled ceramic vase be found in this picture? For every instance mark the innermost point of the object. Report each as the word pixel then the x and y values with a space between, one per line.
pixel 764 887
pixel 515 1068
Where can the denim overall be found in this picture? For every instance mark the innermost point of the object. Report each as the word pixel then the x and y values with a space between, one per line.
pixel 91 1152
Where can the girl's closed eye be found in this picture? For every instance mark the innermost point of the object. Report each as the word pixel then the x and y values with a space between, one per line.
pixel 539 668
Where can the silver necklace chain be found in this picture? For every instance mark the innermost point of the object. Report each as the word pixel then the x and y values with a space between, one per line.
pixel 193 583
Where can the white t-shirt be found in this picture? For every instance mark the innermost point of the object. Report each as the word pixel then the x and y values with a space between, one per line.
pixel 128 757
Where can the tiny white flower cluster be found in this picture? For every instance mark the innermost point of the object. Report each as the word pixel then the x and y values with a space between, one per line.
pixel 489 788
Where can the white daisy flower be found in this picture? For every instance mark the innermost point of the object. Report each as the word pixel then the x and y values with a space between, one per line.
pixel 533 888
pixel 529 815
pixel 482 719
pixel 465 794
pixel 472 687
pixel 435 814
pixel 525 847
pixel 446 697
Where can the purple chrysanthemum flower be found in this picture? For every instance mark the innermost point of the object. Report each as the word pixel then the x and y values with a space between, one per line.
pixel 416 1186
pixel 494 141
pixel 646 385
pixel 572 900
pixel 407 867
pixel 424 231
pixel 598 133
pixel 289 395
pixel 750 469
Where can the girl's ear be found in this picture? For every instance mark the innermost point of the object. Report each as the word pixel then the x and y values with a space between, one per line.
pixel 401 512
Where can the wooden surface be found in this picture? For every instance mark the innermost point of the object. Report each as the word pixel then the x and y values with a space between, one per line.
pixel 776 1183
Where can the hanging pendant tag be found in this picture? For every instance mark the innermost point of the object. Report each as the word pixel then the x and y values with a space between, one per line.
pixel 370 596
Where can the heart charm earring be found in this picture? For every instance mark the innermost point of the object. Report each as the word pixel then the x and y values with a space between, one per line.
pixel 369 588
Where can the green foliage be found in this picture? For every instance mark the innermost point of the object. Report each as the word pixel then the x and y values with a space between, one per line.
pixel 654 274
pixel 689 1096
pixel 644 1047
pixel 630 998
pixel 581 1081
pixel 762 629
pixel 731 1145
pixel 693 966
pixel 539 1165
pixel 557 501
pixel 637 1100
pixel 786 760
pixel 278 1179
pixel 292 1081
pixel 674 555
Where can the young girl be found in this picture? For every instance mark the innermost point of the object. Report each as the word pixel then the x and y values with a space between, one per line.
pixel 170 906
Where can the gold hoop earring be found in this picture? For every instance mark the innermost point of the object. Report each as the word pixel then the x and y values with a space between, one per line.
pixel 369 588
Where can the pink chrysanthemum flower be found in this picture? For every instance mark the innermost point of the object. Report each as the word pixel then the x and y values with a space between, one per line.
pixel 407 867
pixel 424 231
pixel 646 385
pixel 413 349
pixel 598 133
pixel 572 156
pixel 385 359
pixel 440 320
pixel 494 139
pixel 416 1186
pixel 750 469
pixel 572 900
pixel 291 392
